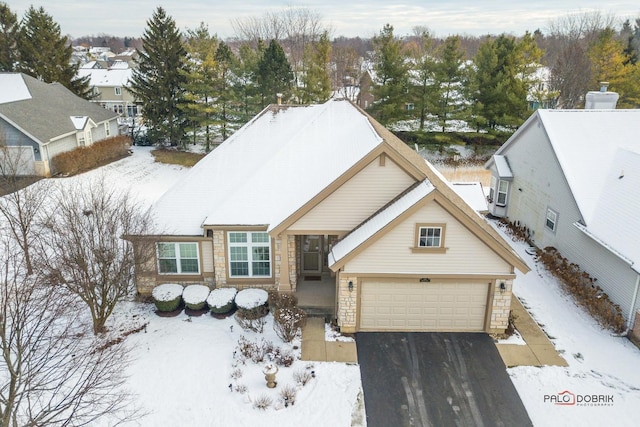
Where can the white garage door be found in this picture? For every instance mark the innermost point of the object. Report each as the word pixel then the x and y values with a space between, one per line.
pixel 408 305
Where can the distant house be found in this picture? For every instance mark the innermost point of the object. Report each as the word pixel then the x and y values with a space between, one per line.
pixel 572 178
pixel 39 120
pixel 324 198
pixel 111 87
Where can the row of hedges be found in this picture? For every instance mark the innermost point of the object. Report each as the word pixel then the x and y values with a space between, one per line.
pixel 86 158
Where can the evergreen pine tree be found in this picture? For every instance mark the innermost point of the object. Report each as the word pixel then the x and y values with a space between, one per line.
pixel 423 89
pixel 46 55
pixel 316 83
pixel 391 77
pixel 200 96
pixel 8 38
pixel 449 76
pixel 226 100
pixel 274 74
pixel 159 81
pixel 245 80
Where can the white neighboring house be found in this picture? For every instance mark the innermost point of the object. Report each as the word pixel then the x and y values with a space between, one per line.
pixel 572 178
pixel 39 120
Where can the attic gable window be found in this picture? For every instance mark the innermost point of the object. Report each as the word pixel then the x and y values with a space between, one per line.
pixel 429 237
pixel 249 254
pixel 551 221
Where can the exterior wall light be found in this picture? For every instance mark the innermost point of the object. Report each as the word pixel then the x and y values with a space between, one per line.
pixel 350 286
pixel 503 287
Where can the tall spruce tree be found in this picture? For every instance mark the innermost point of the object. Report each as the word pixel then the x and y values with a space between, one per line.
pixel 159 81
pixel 200 96
pixel 391 77
pixel 316 83
pixel 46 55
pixel 227 104
pixel 274 74
pixel 8 38
pixel 448 77
pixel 245 80
pixel 423 89
pixel 498 93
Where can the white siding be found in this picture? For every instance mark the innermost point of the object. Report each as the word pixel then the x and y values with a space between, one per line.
pixel 392 253
pixel 18 160
pixel 357 199
pixel 61 146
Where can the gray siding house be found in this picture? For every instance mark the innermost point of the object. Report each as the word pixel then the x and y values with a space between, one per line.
pixel 40 120
pixel 571 177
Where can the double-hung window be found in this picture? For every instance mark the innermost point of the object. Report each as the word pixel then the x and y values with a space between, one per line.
pixel 551 220
pixel 249 254
pixel 503 187
pixel 178 258
pixel 430 237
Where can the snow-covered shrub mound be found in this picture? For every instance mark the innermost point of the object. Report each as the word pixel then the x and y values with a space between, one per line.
pixel 252 303
pixel 167 297
pixel 195 296
pixel 221 300
pixel 288 321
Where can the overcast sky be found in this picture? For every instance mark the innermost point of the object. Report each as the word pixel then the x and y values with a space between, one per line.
pixel 344 17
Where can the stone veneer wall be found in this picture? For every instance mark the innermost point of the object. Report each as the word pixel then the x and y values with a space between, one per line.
pixel 219 259
pixel 347 304
pixel 292 253
pixel 501 306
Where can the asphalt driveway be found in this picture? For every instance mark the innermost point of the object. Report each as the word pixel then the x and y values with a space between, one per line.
pixel 436 379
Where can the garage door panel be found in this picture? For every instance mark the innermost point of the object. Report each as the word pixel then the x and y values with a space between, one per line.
pixel 412 306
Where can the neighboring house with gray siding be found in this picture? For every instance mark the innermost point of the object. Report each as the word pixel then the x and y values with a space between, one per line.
pixel 40 120
pixel 111 87
pixel 571 178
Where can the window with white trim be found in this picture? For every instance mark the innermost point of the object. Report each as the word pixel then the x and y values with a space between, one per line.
pixel 178 258
pixel 81 141
pixel 89 137
pixel 118 90
pixel 552 219
pixel 503 187
pixel 249 254
pixel 107 130
pixel 430 237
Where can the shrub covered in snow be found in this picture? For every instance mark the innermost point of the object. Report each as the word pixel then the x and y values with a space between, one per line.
pixel 195 296
pixel 221 300
pixel 282 300
pixel 252 303
pixel 288 321
pixel 167 297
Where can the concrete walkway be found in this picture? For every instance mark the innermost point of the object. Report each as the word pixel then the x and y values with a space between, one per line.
pixel 538 351
pixel 316 348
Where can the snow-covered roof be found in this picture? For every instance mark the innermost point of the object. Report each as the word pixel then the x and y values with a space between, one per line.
pixel 502 166
pixel 616 219
pixel 472 193
pixel 585 143
pixel 379 221
pixel 269 168
pixel 100 77
pixel 13 88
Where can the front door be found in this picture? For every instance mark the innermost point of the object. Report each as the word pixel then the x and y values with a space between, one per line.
pixel 312 254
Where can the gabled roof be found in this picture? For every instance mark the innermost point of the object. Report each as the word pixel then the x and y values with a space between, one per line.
pixel 47 113
pixel 281 164
pixel 502 166
pixel 585 143
pixel 379 221
pixel 117 75
pixel 294 151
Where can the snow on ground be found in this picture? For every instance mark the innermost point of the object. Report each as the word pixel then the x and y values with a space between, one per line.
pixel 181 366
pixel 601 366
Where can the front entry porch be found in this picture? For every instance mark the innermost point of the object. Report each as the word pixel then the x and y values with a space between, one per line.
pixel 317 295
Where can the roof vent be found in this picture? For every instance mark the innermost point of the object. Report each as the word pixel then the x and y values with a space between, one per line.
pixel 604 86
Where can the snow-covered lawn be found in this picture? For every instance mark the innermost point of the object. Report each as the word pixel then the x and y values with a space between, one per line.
pixel 181 366
pixel 599 364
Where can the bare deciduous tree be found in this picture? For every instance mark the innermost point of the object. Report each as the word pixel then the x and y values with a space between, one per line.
pixel 22 208
pixel 89 256
pixel 53 371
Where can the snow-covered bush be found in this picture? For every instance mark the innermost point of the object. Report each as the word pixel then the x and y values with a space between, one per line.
pixel 288 395
pixel 195 296
pixel 282 300
pixel 288 321
pixel 262 402
pixel 252 308
pixel 167 297
pixel 221 300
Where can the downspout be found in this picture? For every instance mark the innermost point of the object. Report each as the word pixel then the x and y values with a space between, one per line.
pixel 631 309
